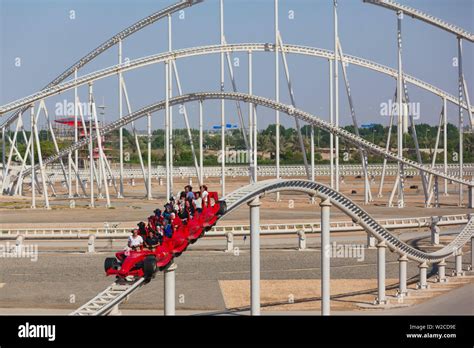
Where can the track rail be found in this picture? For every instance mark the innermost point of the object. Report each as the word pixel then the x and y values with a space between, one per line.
pixel 105 301
pixel 358 215
pixel 287 109
pixel 214 49
pixel 427 18
pixel 108 44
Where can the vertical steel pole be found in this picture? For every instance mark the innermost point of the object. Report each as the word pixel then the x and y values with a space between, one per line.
pixel 442 272
pixel 149 196
pixel 170 93
pixel 336 93
pixel 121 193
pixel 445 143
pixel 91 150
pixel 201 142
pixel 167 129
pixel 277 99
pixel 255 256
pixel 222 102
pixel 423 267
pixel 33 176
pixel 4 140
pixel 252 119
pixel 312 154
pixel 331 120
pixel 461 120
pixel 325 257
pixel 401 202
pixel 170 289
pixel 402 264
pixel 76 133
pixel 458 263
pixel 381 247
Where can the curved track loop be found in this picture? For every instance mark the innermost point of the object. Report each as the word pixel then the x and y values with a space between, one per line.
pixel 358 215
pixel 214 49
pixel 288 109
pixel 118 292
pixel 108 44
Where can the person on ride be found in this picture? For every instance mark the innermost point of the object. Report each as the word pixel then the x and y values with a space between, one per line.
pixel 183 214
pixel 152 222
pixel 188 189
pixel 204 194
pixel 168 211
pixel 197 202
pixel 189 208
pixel 151 241
pixel 168 229
pixel 158 215
pixel 142 230
pixel 135 241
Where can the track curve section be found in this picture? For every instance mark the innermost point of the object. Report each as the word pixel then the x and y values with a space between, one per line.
pixel 215 49
pixel 356 213
pixel 110 43
pixel 261 101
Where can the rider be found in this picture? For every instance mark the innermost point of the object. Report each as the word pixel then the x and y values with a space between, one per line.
pixel 151 241
pixel 135 241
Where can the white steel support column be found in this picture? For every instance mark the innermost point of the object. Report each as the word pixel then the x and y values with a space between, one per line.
pixel 336 94
pixel 32 162
pixel 76 133
pixel 170 94
pixel 170 289
pixel 252 120
pixel 277 98
pixel 381 248
pixel 402 267
pixel 458 272
pixel 423 267
pixel 40 159
pixel 91 151
pixel 325 257
pixel 331 120
pixel 101 163
pixel 442 272
pixel 312 154
pixel 400 121
pixel 167 129
pixel 120 195
pixel 201 142
pixel 4 141
pixel 255 256
pixel 461 120
pixel 222 74
pixel 149 196
pixel 472 252
pixel 445 143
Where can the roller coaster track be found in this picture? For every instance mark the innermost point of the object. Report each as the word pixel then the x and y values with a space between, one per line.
pixel 214 49
pixel 108 44
pixel 417 14
pixel 116 293
pixel 346 205
pixel 256 100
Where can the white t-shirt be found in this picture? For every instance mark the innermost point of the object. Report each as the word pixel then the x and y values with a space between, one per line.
pixel 204 195
pixel 133 242
pixel 198 202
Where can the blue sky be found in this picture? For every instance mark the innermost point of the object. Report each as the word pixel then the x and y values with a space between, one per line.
pixel 42 35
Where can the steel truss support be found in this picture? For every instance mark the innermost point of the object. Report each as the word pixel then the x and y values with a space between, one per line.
pixel 222 80
pixel 120 83
pixel 277 95
pixel 255 256
pixel 387 147
pixel 325 257
pixel 336 95
pixel 461 119
pixel 293 102
pixel 135 135
pixel 363 154
pixel 186 121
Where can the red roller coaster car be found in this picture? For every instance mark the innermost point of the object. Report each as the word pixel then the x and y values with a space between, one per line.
pixel 145 263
